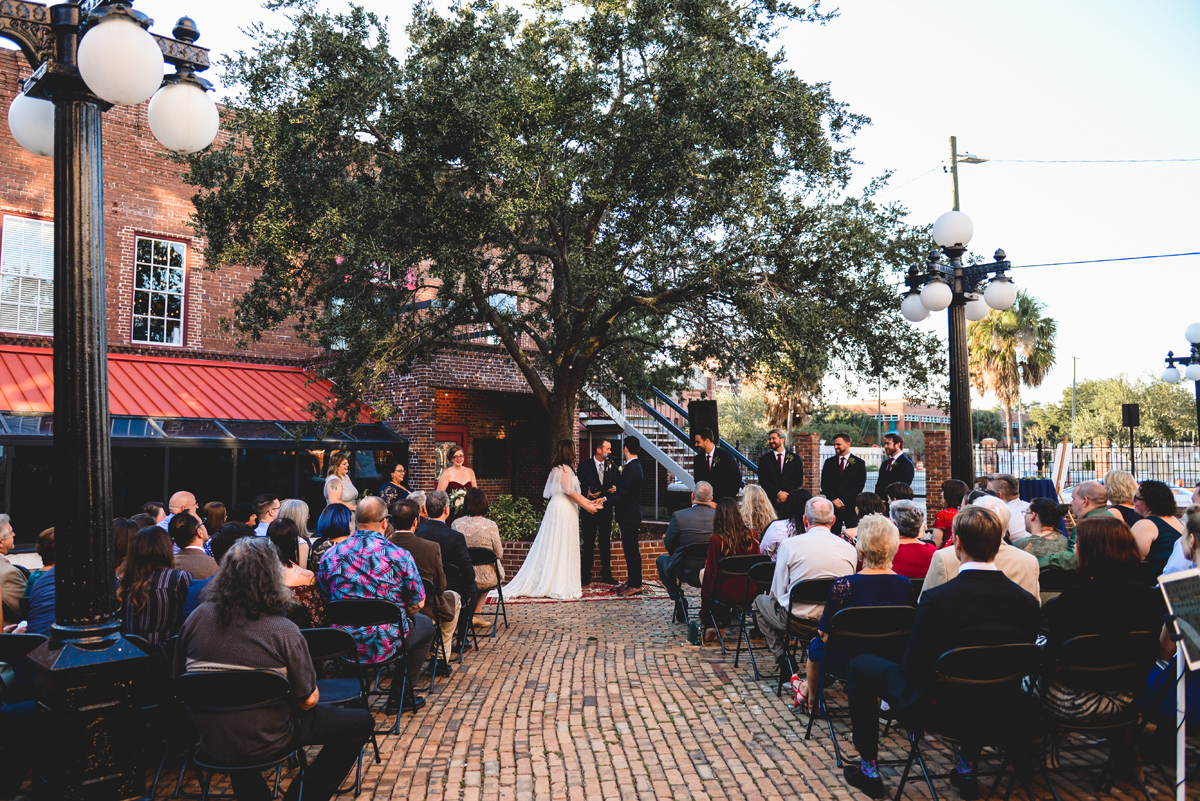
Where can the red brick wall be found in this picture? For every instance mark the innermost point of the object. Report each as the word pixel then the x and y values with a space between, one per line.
pixel 808 445
pixel 937 470
pixel 143 194
pixel 515 553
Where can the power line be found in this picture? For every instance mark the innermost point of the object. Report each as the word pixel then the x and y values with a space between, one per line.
pixel 1089 161
pixel 1098 261
pixel 891 189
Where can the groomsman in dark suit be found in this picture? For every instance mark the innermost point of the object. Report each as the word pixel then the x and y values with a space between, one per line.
pixel 780 473
pixel 716 466
pixel 896 469
pixel 843 477
pixel 597 479
pixel 627 508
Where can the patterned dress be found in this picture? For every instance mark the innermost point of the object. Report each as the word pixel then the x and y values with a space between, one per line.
pixel 366 565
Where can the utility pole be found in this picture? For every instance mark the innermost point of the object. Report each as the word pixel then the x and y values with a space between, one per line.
pixel 954 168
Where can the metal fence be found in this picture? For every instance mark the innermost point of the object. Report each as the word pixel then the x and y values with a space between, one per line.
pixel 1178 464
pixel 872 456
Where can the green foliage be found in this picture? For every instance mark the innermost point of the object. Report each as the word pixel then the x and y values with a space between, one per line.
pixel 516 518
pixel 1168 412
pixel 742 416
pixel 833 420
pixel 632 189
pixel 986 423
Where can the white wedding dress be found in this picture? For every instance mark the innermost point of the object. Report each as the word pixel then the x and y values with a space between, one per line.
pixel 551 569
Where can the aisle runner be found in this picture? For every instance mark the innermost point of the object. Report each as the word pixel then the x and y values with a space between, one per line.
pixel 651 591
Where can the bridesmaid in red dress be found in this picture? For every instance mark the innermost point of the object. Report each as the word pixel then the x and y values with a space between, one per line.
pixel 456 476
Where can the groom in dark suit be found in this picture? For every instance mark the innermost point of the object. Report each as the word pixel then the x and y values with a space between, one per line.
pixel 597 479
pixel 627 505
pixel 896 469
pixel 780 473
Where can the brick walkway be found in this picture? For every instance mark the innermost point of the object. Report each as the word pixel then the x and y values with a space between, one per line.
pixel 608 700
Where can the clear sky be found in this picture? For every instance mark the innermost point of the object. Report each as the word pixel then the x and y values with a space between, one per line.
pixel 1019 79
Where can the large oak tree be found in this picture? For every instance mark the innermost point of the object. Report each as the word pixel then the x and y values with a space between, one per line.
pixel 613 190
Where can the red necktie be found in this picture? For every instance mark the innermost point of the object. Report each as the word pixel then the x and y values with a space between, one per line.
pixel 843 467
pixel 780 462
pixel 709 462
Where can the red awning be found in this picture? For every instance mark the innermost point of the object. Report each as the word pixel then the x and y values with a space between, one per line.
pixel 149 386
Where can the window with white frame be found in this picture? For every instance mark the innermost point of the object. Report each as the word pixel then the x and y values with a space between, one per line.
pixel 158 291
pixel 27 276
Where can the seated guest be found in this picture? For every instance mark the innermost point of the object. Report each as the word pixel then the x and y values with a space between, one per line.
pixel 310 611
pixel 1022 568
pixel 41 595
pixel 866 503
pixel 1041 526
pixel 1157 533
pixel 981 606
pixel 244 513
pixel 156 510
pixel 242 625
pixel 296 510
pixel 953 494
pixel 182 501
pixel 757 512
pixel 480 532
pixel 333 526
pixel 214 514
pixel 781 529
pixel 123 530
pixel 1009 490
pixel 266 509
pixel 690 526
pixel 815 554
pixel 731 537
pixel 393 489
pixel 899 491
pixel 12 579
pixel 418 497
pixel 914 554
pixel 142 521
pixel 445 605
pixel 1183 555
pixel 220 543
pixel 1088 499
pixel 366 565
pixel 875 585
pixel 151 591
pixel 453 545
pixel 190 535
pixel 1109 601
pixel 1120 488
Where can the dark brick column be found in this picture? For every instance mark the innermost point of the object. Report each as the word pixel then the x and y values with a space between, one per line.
pixel 808 447
pixel 937 470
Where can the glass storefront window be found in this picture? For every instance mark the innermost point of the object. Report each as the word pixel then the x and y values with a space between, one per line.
pixel 207 473
pixel 137 477
pixel 263 471
pixel 33 495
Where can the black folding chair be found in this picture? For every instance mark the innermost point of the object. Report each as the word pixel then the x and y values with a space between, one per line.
pixel 692 558
pixel 860 630
pixel 365 612
pixel 1055 579
pixel 486 557
pixel 455 578
pixel 439 646
pixel 234 692
pixel 1106 663
pixel 813 591
pixel 975 698
pixel 918 585
pixel 734 567
pixel 13 650
pixel 339 644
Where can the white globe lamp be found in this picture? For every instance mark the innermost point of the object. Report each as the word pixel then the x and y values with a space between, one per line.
pixel 1171 375
pixel 1192 333
pixel 976 309
pixel 183 117
pixel 912 308
pixel 120 61
pixel 32 124
pixel 953 230
pixel 936 295
pixel 1192 372
pixel 1001 293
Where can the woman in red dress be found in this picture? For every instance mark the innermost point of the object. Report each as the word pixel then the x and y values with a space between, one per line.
pixel 456 477
pixel 730 537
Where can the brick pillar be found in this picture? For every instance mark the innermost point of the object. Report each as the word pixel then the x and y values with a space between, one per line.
pixel 937 470
pixel 416 419
pixel 1100 452
pixel 808 447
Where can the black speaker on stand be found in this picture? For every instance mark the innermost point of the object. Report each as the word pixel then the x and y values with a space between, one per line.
pixel 1131 419
pixel 703 414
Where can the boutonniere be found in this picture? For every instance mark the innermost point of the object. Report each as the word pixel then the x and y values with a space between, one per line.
pixel 790 457
pixel 716 458
pixel 851 460
pixel 621 469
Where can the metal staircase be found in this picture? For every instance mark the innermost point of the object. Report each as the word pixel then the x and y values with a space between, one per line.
pixel 659 436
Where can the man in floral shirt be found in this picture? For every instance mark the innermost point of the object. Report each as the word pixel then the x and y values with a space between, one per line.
pixel 366 565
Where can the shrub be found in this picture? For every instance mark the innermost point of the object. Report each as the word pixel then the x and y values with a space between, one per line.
pixel 516 518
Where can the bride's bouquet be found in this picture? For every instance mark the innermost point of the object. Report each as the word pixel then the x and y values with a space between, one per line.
pixel 458 499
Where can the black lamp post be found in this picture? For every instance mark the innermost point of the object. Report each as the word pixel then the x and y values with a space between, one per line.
pixel 1191 364
pixel 88 57
pixel 957 287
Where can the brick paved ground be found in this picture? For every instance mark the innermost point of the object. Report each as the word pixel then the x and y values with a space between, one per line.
pixel 608 700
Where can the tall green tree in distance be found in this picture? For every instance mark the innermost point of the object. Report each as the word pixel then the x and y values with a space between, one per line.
pixel 608 190
pixel 1010 349
pixel 1168 412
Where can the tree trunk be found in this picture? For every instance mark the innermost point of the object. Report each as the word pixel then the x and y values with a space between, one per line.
pixel 562 412
pixel 1008 425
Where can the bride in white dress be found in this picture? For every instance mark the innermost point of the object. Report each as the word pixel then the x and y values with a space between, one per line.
pixel 551 569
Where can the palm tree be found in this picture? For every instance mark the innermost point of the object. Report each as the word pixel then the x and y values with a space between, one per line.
pixel 1010 349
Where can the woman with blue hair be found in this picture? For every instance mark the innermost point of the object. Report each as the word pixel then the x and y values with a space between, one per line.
pixel 333 526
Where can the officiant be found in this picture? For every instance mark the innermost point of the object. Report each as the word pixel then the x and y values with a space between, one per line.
pixel 598 479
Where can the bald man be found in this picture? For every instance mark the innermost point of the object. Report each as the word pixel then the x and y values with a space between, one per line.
pixel 1089 499
pixel 182 501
